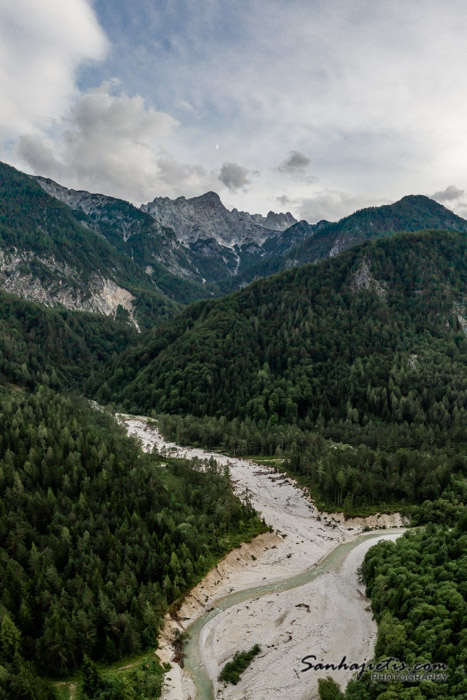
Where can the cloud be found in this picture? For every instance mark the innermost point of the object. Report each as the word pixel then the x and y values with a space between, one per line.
pixel 113 144
pixel 186 178
pixel 234 176
pixel 42 44
pixel 39 153
pixel 367 95
pixel 295 163
pixel 454 198
pixel 450 194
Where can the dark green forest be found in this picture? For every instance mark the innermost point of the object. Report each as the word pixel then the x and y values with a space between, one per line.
pixel 58 250
pixel 357 478
pixel 371 340
pixel 32 219
pixel 96 539
pixel 418 589
pixel 55 347
pixel 350 374
pixel 324 239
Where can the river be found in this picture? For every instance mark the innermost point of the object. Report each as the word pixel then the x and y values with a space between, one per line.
pixel 295 592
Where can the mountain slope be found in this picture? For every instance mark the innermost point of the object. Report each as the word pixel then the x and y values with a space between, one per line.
pixel 55 347
pixel 96 540
pixel 47 256
pixel 233 239
pixel 326 343
pixel 186 246
pixel 323 240
pixel 154 248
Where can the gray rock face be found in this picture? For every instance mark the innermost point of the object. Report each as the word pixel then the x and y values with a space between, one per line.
pixel 363 278
pixel 60 284
pixel 75 199
pixel 206 217
pixel 195 239
pixel 279 222
pixel 120 220
pixel 99 207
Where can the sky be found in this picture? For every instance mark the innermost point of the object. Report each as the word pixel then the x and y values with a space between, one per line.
pixel 318 107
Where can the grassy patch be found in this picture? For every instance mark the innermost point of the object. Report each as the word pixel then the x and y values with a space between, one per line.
pixel 141 675
pixel 62 691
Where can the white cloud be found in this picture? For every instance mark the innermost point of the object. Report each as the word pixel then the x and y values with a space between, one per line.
pixel 40 155
pixel 176 178
pixel 113 144
pixel 375 92
pixel 331 205
pixel 453 198
pixel 41 46
pixel 284 201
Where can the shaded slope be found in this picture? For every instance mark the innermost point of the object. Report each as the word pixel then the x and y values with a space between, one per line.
pixel 55 347
pixel 411 213
pixel 47 256
pixel 153 247
pixel 362 337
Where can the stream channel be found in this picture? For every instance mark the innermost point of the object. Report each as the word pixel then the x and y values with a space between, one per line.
pixel 310 546
pixel 332 562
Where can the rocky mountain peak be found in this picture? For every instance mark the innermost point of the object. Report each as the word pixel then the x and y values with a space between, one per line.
pixel 210 199
pixel 205 217
pixel 279 222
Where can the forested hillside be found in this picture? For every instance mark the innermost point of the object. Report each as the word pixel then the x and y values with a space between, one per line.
pixel 418 589
pixel 411 213
pixel 55 347
pixel 374 336
pixel 350 373
pixel 96 539
pixel 47 256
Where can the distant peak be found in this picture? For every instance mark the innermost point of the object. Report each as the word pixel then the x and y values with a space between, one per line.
pixel 429 204
pixel 416 198
pixel 211 198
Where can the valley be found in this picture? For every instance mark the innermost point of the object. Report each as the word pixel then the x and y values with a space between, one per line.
pixel 277 566
pixel 289 416
pixel 233 350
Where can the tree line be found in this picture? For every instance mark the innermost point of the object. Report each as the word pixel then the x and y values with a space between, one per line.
pixel 348 477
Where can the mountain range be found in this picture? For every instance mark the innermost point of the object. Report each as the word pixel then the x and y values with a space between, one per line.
pixel 96 253
pixel 197 240
pixel 411 213
pixel 347 367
